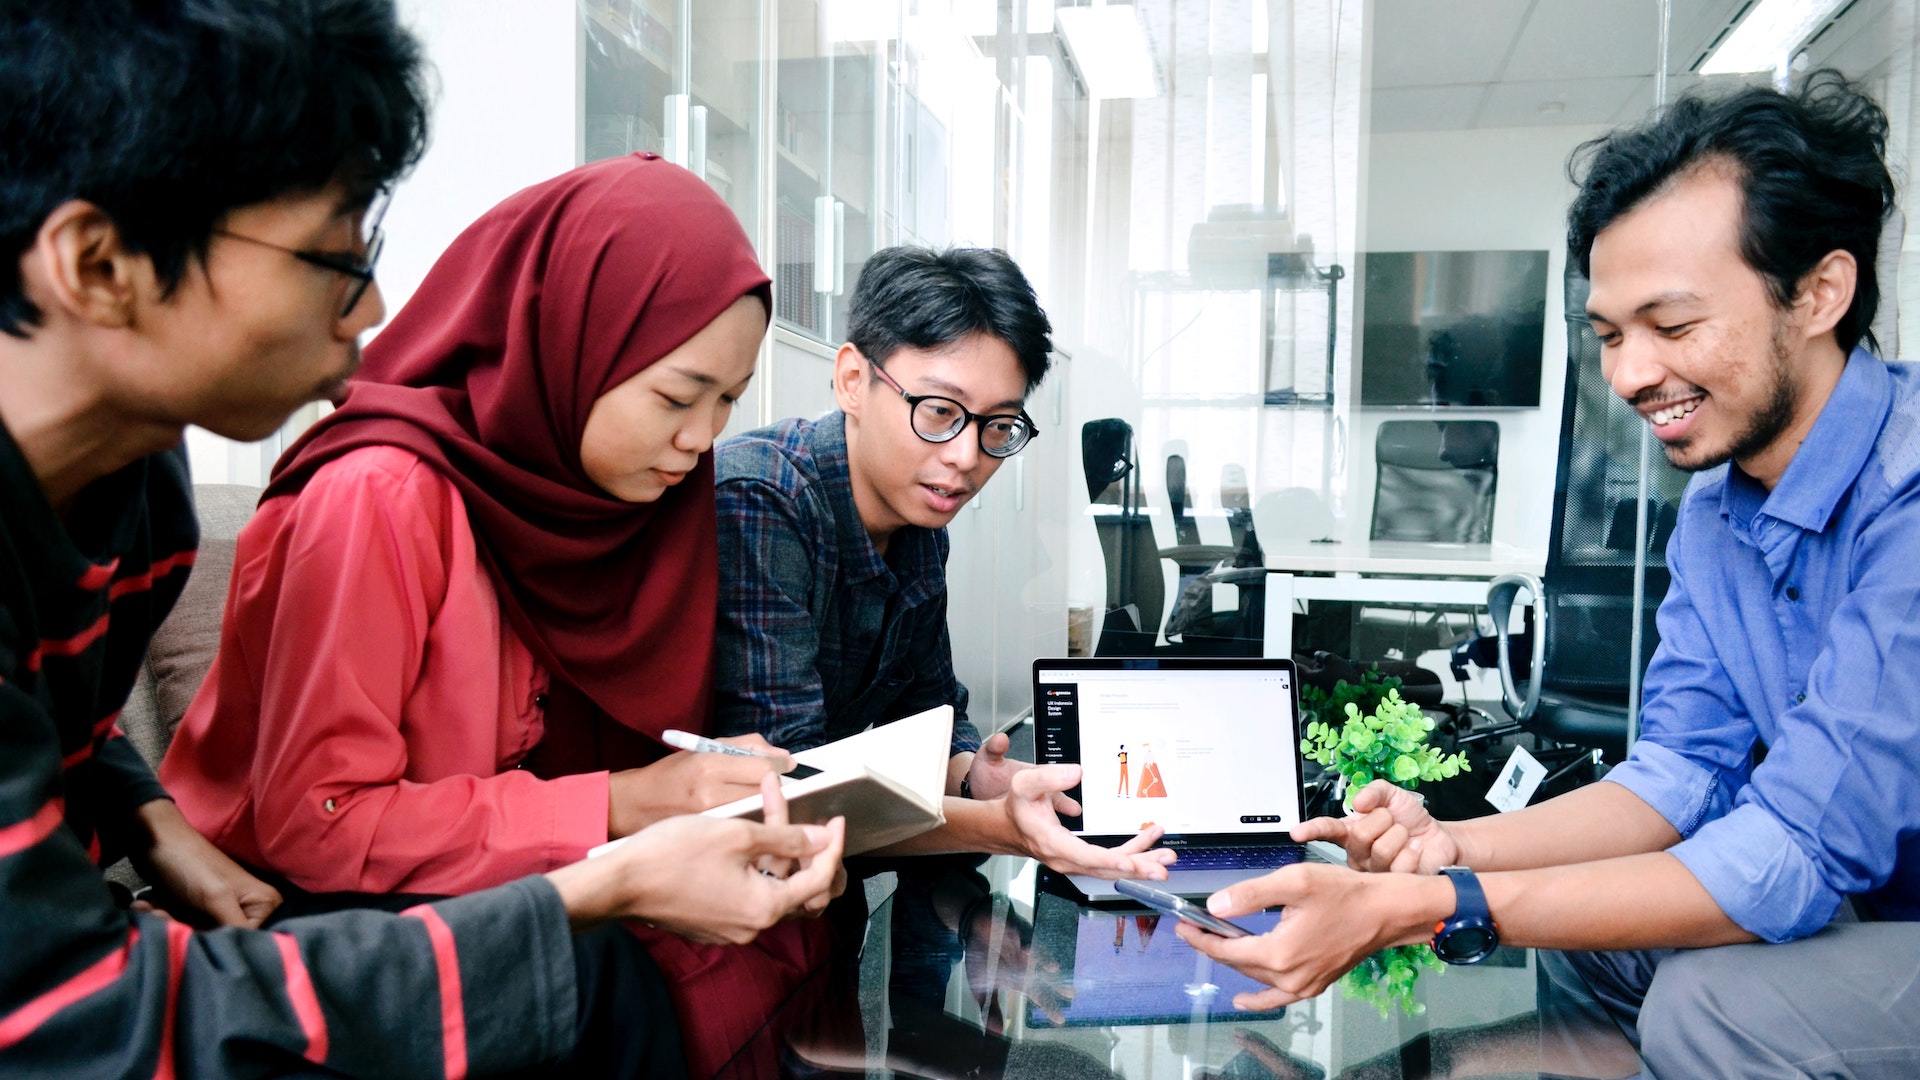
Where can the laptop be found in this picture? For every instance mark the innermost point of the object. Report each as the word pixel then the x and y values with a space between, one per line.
pixel 1208 748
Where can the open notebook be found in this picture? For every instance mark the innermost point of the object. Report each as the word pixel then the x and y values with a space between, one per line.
pixel 888 781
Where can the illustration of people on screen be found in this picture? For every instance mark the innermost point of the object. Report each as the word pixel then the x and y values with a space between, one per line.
pixel 1144 926
pixel 1122 793
pixel 1151 786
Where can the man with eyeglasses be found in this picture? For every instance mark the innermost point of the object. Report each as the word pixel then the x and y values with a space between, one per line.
pixel 833 544
pixel 189 216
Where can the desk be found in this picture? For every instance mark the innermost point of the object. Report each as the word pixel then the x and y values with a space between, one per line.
pixel 966 972
pixel 1382 572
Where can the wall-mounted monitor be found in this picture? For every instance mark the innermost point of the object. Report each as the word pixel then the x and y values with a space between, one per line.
pixel 1453 328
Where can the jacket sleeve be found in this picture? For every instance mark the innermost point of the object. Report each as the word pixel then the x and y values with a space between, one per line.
pixel 477 984
pixel 767 647
pixel 331 622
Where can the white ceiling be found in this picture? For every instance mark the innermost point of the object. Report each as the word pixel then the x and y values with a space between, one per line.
pixel 1443 65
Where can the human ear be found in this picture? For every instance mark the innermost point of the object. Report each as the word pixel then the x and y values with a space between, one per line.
pixel 1826 292
pixel 850 375
pixel 80 264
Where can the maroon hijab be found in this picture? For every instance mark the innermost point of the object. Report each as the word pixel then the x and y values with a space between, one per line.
pixel 550 300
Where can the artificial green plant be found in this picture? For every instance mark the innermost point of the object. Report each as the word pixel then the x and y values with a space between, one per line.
pixel 1367 693
pixel 1386 978
pixel 1390 742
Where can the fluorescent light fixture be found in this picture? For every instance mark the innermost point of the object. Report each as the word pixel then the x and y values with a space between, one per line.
pixel 1765 39
pixel 1108 46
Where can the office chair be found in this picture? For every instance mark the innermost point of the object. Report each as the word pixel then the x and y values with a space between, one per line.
pixel 1434 480
pixel 1234 500
pixel 1567 682
pixel 1136 587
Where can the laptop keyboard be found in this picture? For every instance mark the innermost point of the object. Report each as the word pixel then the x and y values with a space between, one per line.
pixel 1233 858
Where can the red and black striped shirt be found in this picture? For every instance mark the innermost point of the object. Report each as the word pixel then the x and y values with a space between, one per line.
pixel 480 983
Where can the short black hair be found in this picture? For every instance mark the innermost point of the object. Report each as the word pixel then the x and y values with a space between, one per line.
pixel 925 299
pixel 168 114
pixel 1811 164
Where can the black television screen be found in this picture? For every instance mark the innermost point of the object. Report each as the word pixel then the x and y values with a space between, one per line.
pixel 1458 328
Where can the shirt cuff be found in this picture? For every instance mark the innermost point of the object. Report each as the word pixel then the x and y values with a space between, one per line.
pixel 966 737
pixel 1753 869
pixel 580 815
pixel 1680 790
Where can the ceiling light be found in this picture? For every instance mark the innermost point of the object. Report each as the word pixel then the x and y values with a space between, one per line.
pixel 1109 48
pixel 1765 39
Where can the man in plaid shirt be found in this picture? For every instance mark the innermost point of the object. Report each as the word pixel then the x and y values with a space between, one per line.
pixel 833 545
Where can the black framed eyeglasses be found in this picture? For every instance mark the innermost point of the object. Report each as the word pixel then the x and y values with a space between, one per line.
pixel 359 267
pixel 941 419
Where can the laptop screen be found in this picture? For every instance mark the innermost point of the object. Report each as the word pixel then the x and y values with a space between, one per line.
pixel 1133 969
pixel 1196 746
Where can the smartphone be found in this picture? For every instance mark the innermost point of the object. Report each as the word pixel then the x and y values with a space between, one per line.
pixel 1183 910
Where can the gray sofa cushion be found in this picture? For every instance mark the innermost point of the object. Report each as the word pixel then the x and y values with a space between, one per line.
pixel 182 649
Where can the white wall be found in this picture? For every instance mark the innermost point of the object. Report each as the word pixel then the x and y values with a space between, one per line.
pixel 1502 189
pixel 505 115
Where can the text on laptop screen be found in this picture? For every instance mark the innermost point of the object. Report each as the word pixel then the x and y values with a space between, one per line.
pixel 1193 751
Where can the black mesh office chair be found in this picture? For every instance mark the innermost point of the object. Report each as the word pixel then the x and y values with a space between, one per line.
pixel 1569 682
pixel 1136 588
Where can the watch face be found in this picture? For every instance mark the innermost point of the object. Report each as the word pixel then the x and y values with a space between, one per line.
pixel 1466 944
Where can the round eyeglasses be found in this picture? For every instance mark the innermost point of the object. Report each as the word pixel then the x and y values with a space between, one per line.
pixel 939 419
pixel 356 266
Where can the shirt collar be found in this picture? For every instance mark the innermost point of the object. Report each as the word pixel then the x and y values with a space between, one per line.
pixel 1826 466
pixel 915 551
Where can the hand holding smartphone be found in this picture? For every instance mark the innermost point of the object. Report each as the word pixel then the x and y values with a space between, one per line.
pixel 1183 910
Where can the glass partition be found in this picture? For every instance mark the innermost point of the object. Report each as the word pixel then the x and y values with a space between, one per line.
pixel 681 80
pixel 1310 257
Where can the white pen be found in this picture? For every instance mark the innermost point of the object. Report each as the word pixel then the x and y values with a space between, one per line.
pixel 700 744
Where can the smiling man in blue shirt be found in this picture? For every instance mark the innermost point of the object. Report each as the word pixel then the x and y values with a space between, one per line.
pixel 1749 880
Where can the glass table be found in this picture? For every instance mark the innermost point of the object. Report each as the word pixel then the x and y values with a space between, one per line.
pixel 950 967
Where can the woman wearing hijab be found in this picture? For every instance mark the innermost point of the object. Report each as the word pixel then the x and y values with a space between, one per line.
pixel 476 594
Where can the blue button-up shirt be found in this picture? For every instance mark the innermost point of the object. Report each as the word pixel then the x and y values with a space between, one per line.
pixel 820 636
pixel 1793 622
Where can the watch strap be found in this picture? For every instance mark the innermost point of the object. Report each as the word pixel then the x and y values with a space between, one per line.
pixel 1469 897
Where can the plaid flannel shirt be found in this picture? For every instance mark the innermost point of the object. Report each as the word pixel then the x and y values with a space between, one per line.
pixel 820 636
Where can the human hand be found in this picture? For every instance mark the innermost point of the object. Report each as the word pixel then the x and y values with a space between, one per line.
pixel 1003 954
pixel 711 880
pixel 991 773
pixel 194 881
pixel 686 782
pixel 1029 807
pixel 1389 830
pixel 1334 919
pixel 775 814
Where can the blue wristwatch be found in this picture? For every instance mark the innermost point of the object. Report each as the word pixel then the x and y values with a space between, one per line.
pixel 1470 935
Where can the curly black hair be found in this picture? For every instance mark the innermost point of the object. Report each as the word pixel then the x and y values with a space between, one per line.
pixel 1811 164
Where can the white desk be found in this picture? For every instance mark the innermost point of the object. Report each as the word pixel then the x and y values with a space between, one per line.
pixel 1383 572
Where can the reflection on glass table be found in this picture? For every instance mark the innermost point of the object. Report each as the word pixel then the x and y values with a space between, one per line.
pixel 947 977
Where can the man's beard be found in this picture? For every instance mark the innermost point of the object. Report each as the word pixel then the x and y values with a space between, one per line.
pixel 1768 422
